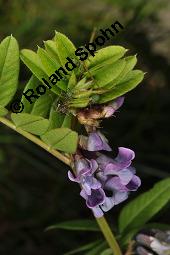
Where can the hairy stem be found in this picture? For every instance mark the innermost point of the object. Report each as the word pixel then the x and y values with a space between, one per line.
pixel 105 229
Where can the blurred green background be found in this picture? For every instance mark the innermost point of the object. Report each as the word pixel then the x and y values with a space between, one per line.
pixel 34 189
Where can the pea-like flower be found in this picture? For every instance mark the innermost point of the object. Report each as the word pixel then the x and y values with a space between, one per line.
pixel 105 182
pixel 85 170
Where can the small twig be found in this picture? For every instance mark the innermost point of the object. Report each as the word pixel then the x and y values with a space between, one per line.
pixel 93 34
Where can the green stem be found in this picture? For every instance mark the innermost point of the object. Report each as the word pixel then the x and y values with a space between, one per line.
pixel 111 240
pixel 37 141
pixel 101 221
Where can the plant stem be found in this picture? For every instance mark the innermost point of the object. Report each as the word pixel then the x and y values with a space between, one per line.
pixel 37 141
pixel 109 235
pixel 101 221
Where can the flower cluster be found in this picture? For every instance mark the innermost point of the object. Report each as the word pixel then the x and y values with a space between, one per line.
pixel 105 182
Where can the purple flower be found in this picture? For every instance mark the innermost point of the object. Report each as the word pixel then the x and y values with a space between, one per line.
pixel 84 175
pixel 94 201
pixel 96 141
pixel 103 174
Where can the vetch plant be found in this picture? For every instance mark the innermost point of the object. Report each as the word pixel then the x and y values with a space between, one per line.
pixel 91 92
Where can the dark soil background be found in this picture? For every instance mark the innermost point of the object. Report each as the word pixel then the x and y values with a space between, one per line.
pixel 34 189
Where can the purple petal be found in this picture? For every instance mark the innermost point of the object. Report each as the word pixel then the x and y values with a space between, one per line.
pixel 125 155
pixel 125 176
pixel 87 188
pixel 81 164
pixel 134 184
pixel 119 197
pixel 114 183
pixel 93 165
pixel 72 178
pixel 116 104
pixel 108 111
pixel 96 198
pixel 83 194
pixel 89 183
pixel 97 142
pixel 95 184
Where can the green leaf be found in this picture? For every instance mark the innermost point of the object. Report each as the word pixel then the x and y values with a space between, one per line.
pixel 129 65
pixel 56 118
pixel 48 63
pixel 72 81
pixel 76 225
pixel 83 248
pixel 3 111
pixel 144 207
pixel 63 139
pixel 108 73
pixel 96 250
pixel 107 55
pixel 30 123
pixel 107 252
pixel 31 84
pixel 9 69
pixel 42 105
pixel 51 48
pixel 67 121
pixel 65 47
pixel 132 80
pixel 160 226
pixel 80 103
pixel 50 66
pixel 33 62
